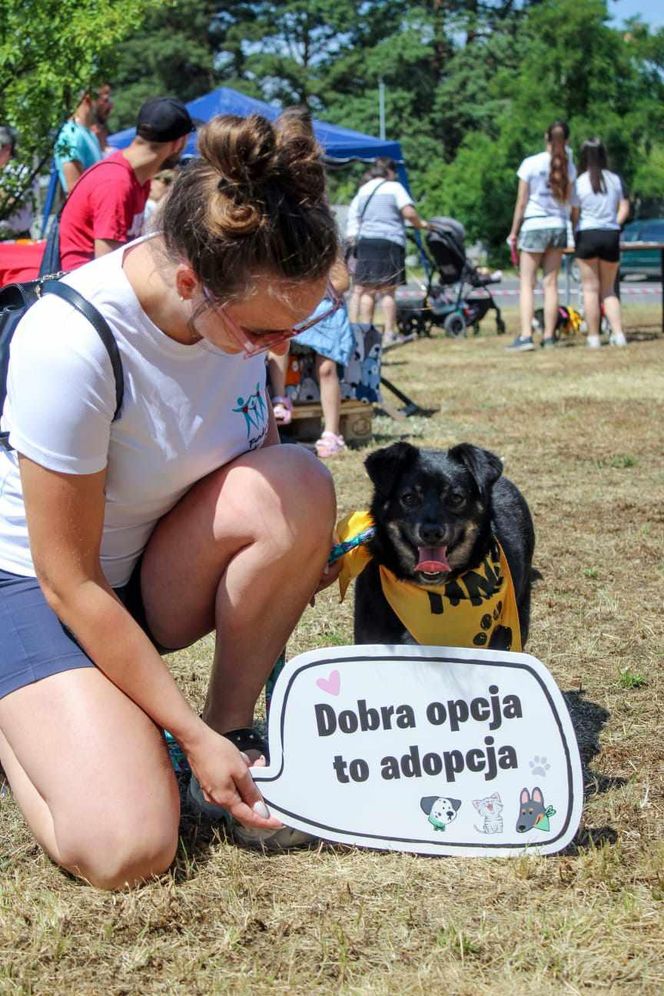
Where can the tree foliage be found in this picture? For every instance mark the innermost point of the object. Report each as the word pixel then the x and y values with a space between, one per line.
pixel 470 85
pixel 50 50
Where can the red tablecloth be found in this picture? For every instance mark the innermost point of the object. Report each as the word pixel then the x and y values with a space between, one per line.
pixel 20 261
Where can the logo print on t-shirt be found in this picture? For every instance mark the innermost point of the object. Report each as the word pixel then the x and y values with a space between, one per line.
pixel 254 410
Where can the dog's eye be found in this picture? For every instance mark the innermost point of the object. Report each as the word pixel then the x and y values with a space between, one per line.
pixel 456 499
pixel 410 499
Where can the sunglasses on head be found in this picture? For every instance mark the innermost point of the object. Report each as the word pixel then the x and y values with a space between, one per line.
pixel 253 343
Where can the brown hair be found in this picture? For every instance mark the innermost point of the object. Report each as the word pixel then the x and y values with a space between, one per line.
pixel 255 202
pixel 165 175
pixel 382 167
pixel 593 160
pixel 557 135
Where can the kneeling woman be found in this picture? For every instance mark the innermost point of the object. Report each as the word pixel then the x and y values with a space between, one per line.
pixel 121 539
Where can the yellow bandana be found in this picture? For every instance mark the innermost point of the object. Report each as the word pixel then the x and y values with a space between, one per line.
pixel 463 612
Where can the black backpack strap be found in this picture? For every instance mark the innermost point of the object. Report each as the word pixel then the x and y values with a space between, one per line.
pixel 101 327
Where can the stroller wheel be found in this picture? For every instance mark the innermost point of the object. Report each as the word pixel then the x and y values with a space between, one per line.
pixel 455 325
pixel 412 324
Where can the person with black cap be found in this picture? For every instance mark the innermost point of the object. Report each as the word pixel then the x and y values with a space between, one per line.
pixel 105 209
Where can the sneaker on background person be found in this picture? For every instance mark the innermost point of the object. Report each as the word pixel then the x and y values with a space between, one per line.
pixel 522 344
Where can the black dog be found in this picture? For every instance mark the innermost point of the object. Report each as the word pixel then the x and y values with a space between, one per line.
pixel 437 516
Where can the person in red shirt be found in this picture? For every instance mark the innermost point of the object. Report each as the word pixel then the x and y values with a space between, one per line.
pixel 105 208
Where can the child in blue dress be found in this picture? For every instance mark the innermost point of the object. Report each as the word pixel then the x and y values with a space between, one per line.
pixel 332 341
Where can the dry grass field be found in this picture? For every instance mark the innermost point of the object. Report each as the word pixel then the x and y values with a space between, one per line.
pixel 582 434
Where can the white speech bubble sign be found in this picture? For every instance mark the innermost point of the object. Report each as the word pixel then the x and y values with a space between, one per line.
pixel 431 750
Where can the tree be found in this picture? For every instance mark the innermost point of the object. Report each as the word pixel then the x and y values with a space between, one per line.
pixel 173 54
pixel 50 50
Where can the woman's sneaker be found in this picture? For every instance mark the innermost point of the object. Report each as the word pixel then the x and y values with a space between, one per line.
pixel 617 339
pixel 284 839
pixel 522 344
pixel 593 342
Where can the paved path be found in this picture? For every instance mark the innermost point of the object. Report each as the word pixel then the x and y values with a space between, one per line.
pixel 631 291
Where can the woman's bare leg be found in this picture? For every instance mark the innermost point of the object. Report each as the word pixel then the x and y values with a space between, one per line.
pixel 607 289
pixel 367 305
pixel 91 775
pixel 241 554
pixel 528 265
pixel 354 303
pixel 589 269
pixel 388 304
pixel 550 269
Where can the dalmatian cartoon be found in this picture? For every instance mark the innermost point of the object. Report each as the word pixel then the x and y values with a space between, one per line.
pixel 440 810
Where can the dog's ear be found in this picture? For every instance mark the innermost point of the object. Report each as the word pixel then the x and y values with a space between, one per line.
pixel 485 466
pixel 384 466
pixel 456 804
pixel 426 803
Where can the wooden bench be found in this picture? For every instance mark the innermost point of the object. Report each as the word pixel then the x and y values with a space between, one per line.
pixel 355 423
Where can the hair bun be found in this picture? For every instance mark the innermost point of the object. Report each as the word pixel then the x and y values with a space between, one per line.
pixel 300 155
pixel 241 150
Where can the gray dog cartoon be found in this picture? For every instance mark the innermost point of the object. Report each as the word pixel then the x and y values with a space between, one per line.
pixel 440 811
pixel 532 813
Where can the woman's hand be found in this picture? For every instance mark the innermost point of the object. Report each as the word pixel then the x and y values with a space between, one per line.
pixel 224 775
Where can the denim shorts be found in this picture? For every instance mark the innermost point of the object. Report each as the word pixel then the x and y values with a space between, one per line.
pixel 541 239
pixel 34 644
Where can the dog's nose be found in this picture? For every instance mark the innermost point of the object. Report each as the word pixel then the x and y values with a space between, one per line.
pixel 431 533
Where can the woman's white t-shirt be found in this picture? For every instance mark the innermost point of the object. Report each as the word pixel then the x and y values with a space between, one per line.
pixel 599 210
pixel 542 209
pixel 380 217
pixel 186 411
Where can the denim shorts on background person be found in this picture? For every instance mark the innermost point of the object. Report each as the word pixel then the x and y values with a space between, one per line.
pixel 34 644
pixel 541 239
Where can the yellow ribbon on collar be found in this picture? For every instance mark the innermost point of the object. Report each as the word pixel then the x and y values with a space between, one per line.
pixel 463 612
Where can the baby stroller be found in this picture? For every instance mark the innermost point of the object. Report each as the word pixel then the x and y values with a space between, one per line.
pixel 456 295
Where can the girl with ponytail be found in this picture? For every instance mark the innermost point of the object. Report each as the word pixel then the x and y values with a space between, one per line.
pixel 539 229
pixel 128 533
pixel 600 211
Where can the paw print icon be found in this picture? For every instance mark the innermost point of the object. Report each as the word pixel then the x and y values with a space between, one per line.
pixel 540 766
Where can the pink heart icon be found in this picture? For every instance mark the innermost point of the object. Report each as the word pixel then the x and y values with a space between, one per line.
pixel 331 685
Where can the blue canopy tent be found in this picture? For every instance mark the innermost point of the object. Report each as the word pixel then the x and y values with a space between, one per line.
pixel 341 145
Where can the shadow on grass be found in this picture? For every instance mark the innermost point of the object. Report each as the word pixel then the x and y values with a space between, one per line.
pixel 588 719
pixel 642 335
pixel 591 839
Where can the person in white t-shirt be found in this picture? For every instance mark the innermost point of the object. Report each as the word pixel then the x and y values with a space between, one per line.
pixel 121 538
pixel 159 187
pixel 376 225
pixel 600 211
pixel 539 230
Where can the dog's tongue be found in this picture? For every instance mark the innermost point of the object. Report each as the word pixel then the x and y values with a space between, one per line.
pixel 433 559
